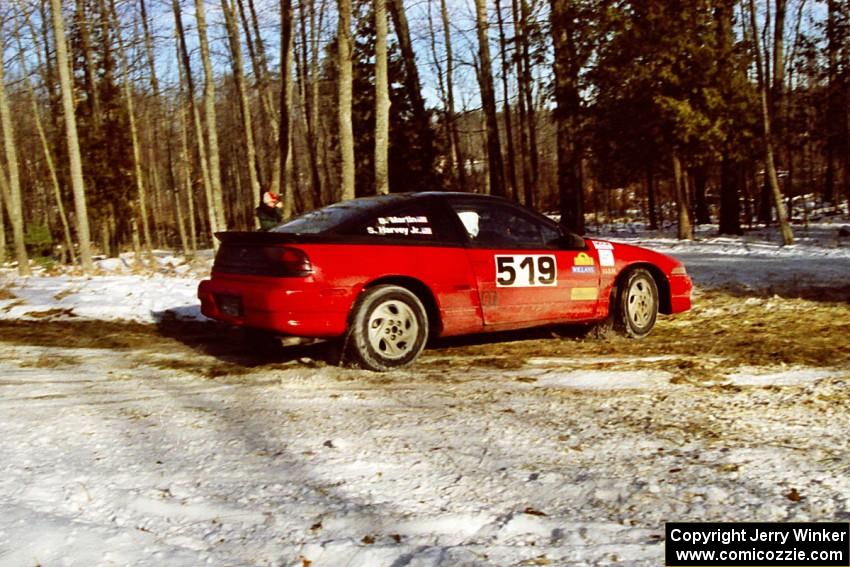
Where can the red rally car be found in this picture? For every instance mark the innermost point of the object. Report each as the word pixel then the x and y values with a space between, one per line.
pixel 386 273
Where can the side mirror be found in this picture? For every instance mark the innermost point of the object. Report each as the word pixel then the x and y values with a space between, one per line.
pixel 570 241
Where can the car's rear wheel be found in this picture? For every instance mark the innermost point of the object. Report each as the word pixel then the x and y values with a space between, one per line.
pixel 388 328
pixel 636 307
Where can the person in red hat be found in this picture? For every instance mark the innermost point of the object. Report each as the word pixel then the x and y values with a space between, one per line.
pixel 270 211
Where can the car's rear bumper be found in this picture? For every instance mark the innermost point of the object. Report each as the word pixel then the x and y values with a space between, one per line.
pixel 680 293
pixel 296 307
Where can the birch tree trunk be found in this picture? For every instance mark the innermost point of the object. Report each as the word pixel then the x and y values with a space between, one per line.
pixel 141 194
pixel 244 103
pixel 2 221
pixel 285 130
pixel 770 167
pixel 382 101
pixel 185 73
pixel 88 68
pixel 309 79
pixel 509 131
pixel 153 117
pixel 149 52
pixel 267 112
pixel 76 166
pixel 48 157
pixel 450 110
pixel 186 175
pixel 321 161
pixel 175 182
pixel 488 100
pixel 13 197
pixel 346 132
pixel 526 91
pixel 217 204
pixel 527 185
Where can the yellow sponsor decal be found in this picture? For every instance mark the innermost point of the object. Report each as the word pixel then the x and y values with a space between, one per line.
pixel 582 259
pixel 583 293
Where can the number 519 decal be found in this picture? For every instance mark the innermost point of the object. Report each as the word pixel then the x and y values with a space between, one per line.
pixel 521 270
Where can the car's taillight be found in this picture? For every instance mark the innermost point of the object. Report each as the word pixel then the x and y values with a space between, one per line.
pixel 679 271
pixel 289 261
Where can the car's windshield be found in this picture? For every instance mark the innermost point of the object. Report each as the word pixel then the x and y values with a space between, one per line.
pixel 330 217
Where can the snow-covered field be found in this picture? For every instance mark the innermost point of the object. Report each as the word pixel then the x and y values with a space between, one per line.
pixel 162 444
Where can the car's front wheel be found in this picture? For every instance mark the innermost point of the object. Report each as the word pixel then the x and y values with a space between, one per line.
pixel 388 328
pixel 636 307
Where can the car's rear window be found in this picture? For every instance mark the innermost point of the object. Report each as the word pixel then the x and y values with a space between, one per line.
pixel 331 217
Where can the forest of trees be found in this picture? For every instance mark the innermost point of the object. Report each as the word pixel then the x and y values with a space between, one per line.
pixel 141 124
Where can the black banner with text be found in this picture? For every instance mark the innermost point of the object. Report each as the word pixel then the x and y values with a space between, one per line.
pixel 757 544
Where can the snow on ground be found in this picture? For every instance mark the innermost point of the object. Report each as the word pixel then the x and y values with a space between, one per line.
pixel 112 461
pixel 170 454
pixel 122 290
pixel 819 258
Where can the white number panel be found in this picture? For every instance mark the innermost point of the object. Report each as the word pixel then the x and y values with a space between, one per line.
pixel 526 270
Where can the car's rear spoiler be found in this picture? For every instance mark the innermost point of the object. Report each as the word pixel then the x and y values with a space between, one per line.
pixel 270 238
pixel 250 237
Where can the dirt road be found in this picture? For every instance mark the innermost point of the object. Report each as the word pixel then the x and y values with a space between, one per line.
pixel 177 445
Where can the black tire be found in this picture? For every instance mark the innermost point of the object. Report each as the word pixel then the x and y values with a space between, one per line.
pixel 388 328
pixel 636 305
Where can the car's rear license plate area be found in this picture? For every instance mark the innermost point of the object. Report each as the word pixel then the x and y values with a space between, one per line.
pixel 230 305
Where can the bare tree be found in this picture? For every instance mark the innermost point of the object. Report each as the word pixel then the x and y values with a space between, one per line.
pixel 310 92
pixel 3 190
pixel 526 93
pixel 506 105
pixel 13 196
pixel 528 186
pixel 684 230
pixel 450 109
pixel 488 101
pixel 411 75
pixel 76 166
pixel 185 169
pixel 141 196
pixel 382 101
pixel 565 21
pixel 185 74
pixel 287 42
pixel 346 132
pixel 217 220
pixel 92 92
pixel 268 115
pixel 244 103
pixel 770 167
pixel 153 118
pixel 48 154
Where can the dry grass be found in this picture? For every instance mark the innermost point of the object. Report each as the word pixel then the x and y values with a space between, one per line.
pixel 51 313
pixel 722 332
pixel 64 293
pixel 52 361
pixel 14 303
pixel 111 335
pixel 205 366
pixel 6 294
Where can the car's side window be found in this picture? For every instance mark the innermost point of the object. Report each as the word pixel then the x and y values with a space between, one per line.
pixel 490 225
pixel 413 222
